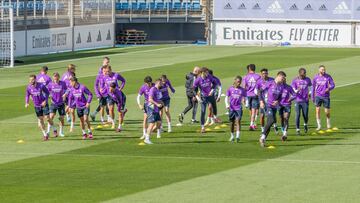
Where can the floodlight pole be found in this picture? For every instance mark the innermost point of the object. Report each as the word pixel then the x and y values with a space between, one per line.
pixel 11 18
pixel 72 25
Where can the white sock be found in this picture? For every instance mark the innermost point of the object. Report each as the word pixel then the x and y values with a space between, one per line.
pixel 144 131
pixel 89 131
pixel 44 133
pixel 102 118
pixel 83 131
pixel 251 123
pixel 297 129
pixel 48 128
pixel 61 129
pixel 147 137
pixel 237 134
pixel 256 117
pixel 158 132
pixel 318 121
pixel 119 127
pixel 212 119
pixel 262 129
pixel 275 125
pixel 263 137
pixel 169 124
pixel 67 117
pixel 232 135
pixel 328 123
pixel 202 126
pixel 72 124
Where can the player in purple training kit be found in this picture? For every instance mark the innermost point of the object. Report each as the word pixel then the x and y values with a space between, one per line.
pixel 287 96
pixel 301 86
pixel 259 90
pixel 112 77
pixel 212 116
pixel 206 85
pixel 144 90
pixel 116 96
pixel 39 95
pixel 274 91
pixel 82 97
pixel 70 110
pixel 102 94
pixel 102 100
pixel 153 108
pixel 322 85
pixel 236 96
pixel 249 84
pixel 57 89
pixel 42 77
pixel 165 86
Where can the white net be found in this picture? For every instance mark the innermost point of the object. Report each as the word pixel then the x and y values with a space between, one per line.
pixel 6 37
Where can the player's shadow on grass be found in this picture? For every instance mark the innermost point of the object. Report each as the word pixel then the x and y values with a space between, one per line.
pixel 194 142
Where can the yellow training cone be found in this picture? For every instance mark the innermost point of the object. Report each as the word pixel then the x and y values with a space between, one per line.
pixel 271 147
pixel 141 144
pixel 223 125
pixel 321 132
pixel 207 129
pixel 217 128
pixel 335 128
pixel 99 126
pixel 106 125
pixel 20 141
pixel 314 133
pixel 92 128
pixel 329 131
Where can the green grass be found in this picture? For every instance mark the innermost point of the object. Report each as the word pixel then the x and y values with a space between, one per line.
pixel 183 166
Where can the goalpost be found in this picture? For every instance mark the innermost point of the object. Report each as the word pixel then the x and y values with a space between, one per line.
pixel 6 36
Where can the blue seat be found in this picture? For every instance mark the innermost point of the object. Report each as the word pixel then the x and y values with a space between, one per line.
pixel 142 6
pixel 30 5
pixel 118 6
pixel 125 6
pixel 152 5
pixel 134 6
pixel 159 6
pixel 195 6
pixel 176 6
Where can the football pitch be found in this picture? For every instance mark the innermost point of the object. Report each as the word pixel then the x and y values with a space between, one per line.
pixel 182 166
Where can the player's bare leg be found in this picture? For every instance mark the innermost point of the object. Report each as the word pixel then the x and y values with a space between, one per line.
pixel 168 118
pixel 318 120
pixel 41 125
pixel 328 123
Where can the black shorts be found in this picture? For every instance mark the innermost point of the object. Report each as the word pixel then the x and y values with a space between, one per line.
pixel 42 111
pixel 284 109
pixel 102 101
pixel 166 102
pixel 110 101
pixel 152 117
pixel 235 115
pixel 83 111
pixel 59 108
pixel 319 101
pixel 253 102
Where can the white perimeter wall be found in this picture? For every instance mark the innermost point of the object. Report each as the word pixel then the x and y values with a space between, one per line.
pixel 60 39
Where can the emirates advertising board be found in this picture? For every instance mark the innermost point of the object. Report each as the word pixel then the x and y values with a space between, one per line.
pixel 233 33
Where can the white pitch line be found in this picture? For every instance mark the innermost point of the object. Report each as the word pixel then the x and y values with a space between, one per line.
pixel 348 84
pixel 99 56
pixel 184 157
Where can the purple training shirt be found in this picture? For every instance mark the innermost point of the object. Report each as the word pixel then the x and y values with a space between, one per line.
pixel 114 78
pixel 249 83
pixel 117 97
pixel 164 90
pixel 145 90
pixel 156 95
pixel 57 90
pixel 236 96
pixel 302 87
pixel 321 84
pixel 206 85
pixel 101 89
pixel 274 92
pixel 38 92
pixel 287 95
pixel 43 79
pixel 78 94
pixel 261 85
